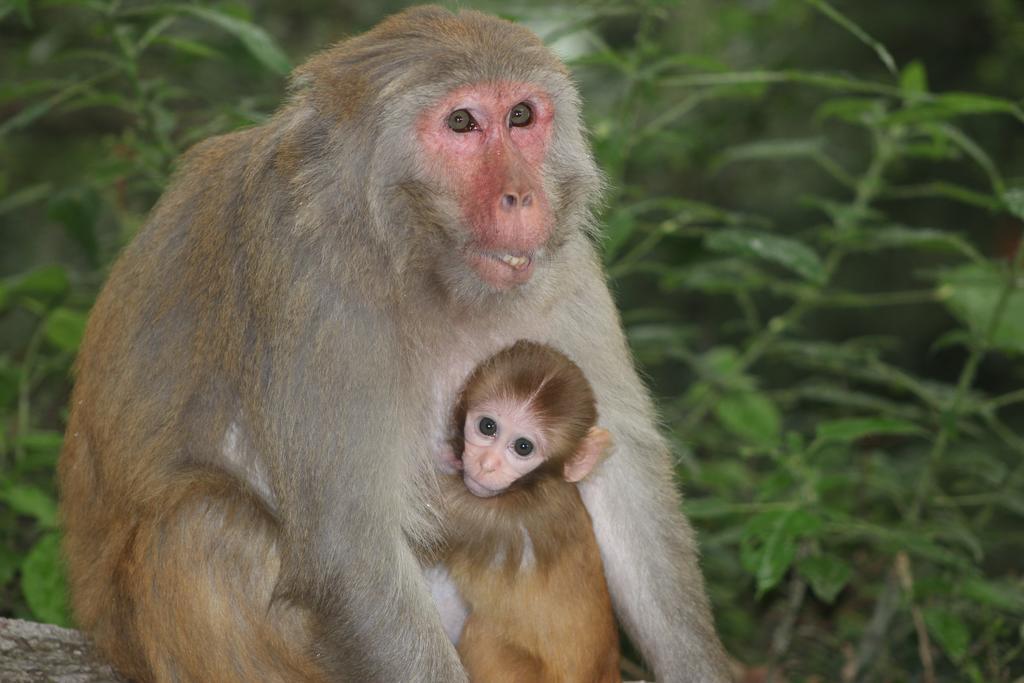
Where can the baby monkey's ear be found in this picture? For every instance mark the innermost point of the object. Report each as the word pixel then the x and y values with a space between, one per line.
pixel 592 451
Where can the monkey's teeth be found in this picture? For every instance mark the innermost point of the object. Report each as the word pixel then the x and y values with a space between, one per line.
pixel 514 261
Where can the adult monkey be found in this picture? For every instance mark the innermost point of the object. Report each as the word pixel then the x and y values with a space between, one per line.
pixel 266 376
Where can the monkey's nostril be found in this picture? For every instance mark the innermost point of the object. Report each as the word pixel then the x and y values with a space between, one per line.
pixel 527 200
pixel 509 201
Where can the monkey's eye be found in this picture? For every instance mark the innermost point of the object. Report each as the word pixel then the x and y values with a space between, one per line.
pixel 523 447
pixel 521 115
pixel 461 121
pixel 487 426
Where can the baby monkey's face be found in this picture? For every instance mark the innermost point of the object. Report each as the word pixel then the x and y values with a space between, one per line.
pixel 503 442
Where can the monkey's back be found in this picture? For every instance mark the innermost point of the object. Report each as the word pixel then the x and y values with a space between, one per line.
pixel 540 612
pixel 143 502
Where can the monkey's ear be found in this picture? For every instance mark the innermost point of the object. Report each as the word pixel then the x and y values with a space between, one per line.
pixel 592 451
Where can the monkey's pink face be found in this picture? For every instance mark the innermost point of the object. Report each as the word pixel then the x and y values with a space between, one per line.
pixel 486 143
pixel 503 442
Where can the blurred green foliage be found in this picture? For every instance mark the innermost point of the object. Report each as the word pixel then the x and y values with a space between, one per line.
pixel 813 231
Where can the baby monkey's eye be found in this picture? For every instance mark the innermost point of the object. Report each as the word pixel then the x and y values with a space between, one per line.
pixel 523 447
pixel 487 426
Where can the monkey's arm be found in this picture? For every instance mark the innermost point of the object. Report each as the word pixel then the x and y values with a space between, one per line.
pixel 348 512
pixel 647 545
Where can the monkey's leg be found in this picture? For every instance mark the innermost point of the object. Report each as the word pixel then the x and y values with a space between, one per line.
pixel 194 588
pixel 490 658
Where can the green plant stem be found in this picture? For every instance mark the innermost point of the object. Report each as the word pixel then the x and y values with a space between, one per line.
pixel 744 509
pixel 837 172
pixel 943 190
pixel 1006 399
pixel 1008 436
pixel 857 300
pixel 760 77
pixel 871 182
pixel 964 383
pixel 868 188
pixel 856 31
pixel 629 260
pixel 968 499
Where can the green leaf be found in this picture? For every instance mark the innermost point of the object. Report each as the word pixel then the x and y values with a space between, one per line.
pixel 47 283
pixel 724 363
pixel 153 32
pixel 710 508
pixel 42 449
pixel 972 291
pixel 768 545
pixel 827 575
pixel 848 430
pixel 894 538
pixel 864 401
pixel 899 237
pixel 64 329
pixel 950 339
pixel 617 230
pixel 31 502
pixel 952 105
pixel 752 416
pixel 9 561
pixel 10 379
pixel 191 48
pixel 1013 199
pixel 949 630
pixel 770 149
pixel 942 189
pixel 787 252
pixel 659 340
pixel 856 31
pixel 1002 596
pixel 43 582
pixel 24 197
pixel 15 92
pixel 22 7
pixel 720 276
pixel 855 110
pixel 28 115
pixel 78 213
pixel 914 79
pixel 257 41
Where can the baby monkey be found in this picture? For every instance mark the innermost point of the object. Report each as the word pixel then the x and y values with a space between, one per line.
pixel 521 548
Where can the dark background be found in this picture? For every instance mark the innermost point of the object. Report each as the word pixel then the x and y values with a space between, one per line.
pixel 813 231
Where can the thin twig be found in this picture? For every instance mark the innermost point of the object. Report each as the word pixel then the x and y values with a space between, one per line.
pixel 874 636
pixel 782 638
pixel 924 645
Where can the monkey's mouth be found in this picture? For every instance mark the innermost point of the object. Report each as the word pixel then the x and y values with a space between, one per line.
pixel 502 269
pixel 514 261
pixel 478 489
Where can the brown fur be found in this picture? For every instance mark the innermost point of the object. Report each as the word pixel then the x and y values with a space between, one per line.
pixel 546 618
pixel 159 619
pixel 547 623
